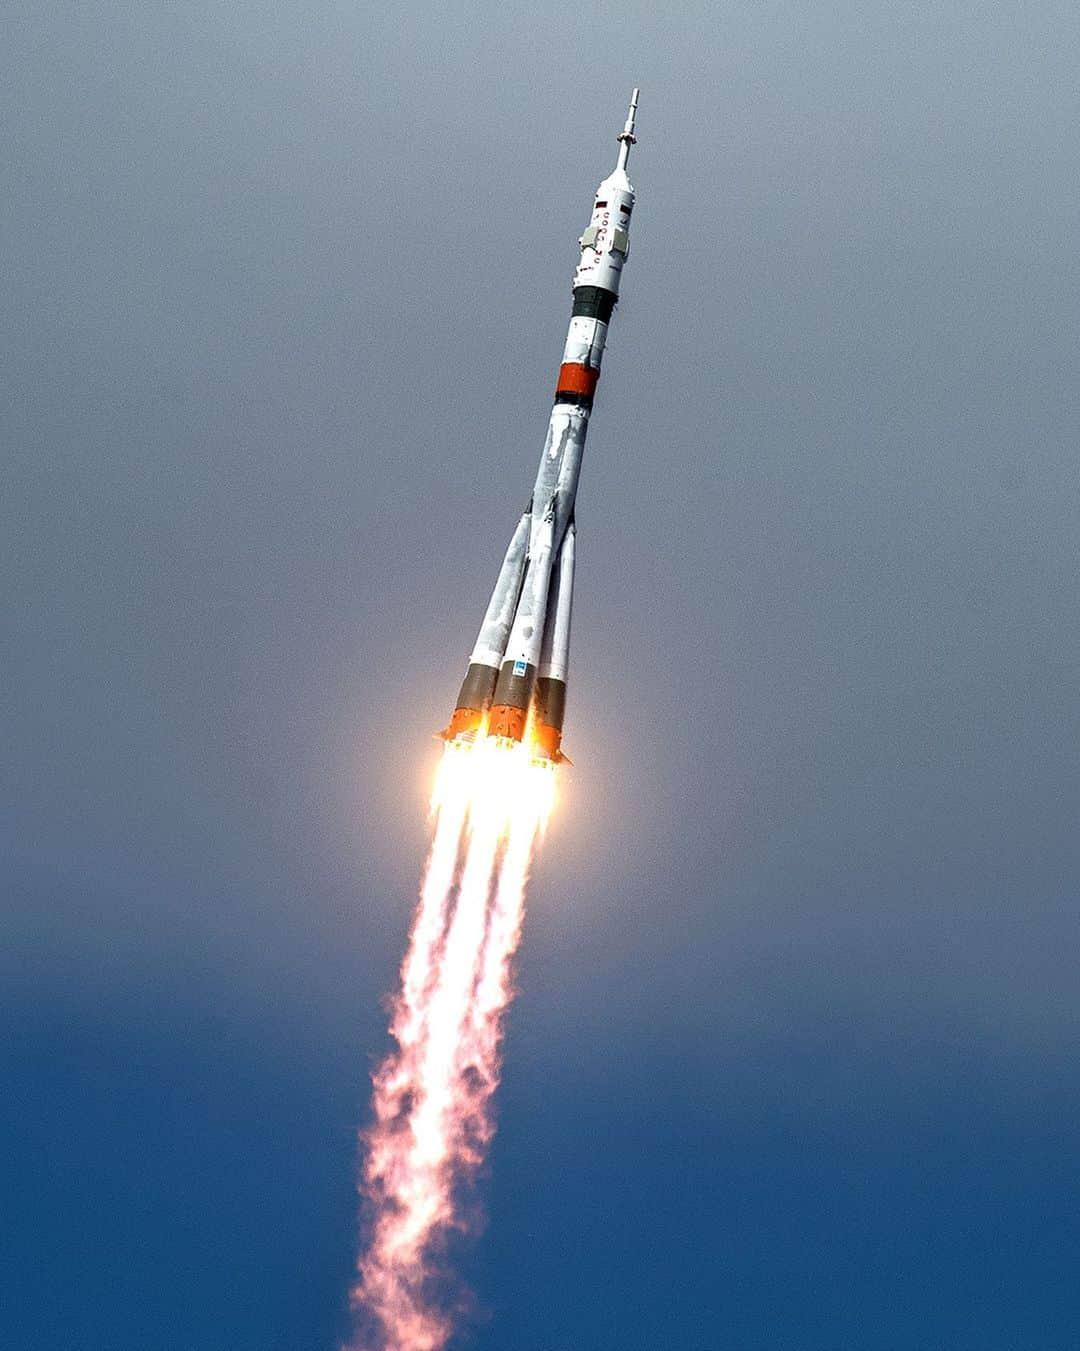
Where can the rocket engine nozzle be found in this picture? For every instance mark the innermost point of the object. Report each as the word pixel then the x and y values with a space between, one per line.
pixel 547 745
pixel 464 725
pixel 507 723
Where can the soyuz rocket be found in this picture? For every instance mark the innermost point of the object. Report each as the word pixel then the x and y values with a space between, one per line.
pixel 515 686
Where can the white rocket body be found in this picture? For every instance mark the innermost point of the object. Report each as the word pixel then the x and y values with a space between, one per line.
pixel 515 685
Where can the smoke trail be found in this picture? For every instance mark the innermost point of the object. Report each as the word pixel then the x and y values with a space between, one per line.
pixel 479 1049
pixel 432 1093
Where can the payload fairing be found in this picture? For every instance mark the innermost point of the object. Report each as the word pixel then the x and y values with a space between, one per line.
pixel 515 686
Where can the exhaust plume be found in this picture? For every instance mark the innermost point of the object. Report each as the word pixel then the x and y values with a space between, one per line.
pixel 432 1094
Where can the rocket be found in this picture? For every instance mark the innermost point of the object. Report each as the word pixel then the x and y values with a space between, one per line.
pixel 515 685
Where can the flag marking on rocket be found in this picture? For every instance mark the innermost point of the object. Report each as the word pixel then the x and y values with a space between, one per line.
pixel 515 685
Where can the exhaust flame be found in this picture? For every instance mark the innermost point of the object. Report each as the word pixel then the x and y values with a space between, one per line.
pixel 432 1093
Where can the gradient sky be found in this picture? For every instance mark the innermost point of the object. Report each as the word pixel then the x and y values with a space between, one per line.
pixel 793 1065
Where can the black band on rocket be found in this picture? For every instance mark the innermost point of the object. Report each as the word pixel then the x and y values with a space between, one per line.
pixel 550 703
pixel 477 687
pixel 515 684
pixel 593 302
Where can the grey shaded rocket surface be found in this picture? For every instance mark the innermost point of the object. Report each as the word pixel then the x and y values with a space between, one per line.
pixel 515 685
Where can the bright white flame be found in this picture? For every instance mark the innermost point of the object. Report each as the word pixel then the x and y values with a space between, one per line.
pixel 432 1093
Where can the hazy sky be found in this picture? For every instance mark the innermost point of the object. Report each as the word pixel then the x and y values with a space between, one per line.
pixel 794 1062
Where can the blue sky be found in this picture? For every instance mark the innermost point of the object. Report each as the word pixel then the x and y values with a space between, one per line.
pixel 793 1061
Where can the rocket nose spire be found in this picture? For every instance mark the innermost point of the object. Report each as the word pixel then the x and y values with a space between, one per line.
pixel 628 130
pixel 626 137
